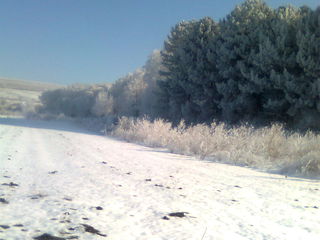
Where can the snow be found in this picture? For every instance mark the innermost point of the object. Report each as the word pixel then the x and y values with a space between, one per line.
pixel 69 178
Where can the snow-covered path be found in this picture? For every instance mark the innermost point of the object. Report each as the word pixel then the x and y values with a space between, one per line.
pixel 60 180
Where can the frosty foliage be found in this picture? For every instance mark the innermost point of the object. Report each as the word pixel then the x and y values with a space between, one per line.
pixel 103 105
pixel 73 101
pixel 126 93
pixel 149 96
pixel 269 148
pixel 135 94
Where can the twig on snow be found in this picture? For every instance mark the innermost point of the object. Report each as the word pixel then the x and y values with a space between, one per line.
pixel 205 231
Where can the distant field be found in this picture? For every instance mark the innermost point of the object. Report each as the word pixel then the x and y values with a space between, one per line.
pixel 17 95
pixel 27 85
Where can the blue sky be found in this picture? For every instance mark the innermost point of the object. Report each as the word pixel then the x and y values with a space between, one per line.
pixel 94 41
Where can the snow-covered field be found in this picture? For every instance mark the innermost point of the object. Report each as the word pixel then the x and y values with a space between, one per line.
pixel 57 179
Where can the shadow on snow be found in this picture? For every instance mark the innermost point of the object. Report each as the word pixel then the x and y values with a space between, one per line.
pixel 58 125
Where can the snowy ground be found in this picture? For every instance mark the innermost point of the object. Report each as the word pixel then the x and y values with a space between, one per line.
pixel 60 180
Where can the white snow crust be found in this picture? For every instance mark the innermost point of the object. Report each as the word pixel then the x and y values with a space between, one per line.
pixel 67 176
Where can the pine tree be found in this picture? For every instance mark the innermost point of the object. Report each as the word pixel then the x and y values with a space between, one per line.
pixel 238 42
pixel 308 58
pixel 188 75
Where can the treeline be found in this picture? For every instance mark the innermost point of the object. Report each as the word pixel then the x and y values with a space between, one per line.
pixel 257 65
pixel 133 95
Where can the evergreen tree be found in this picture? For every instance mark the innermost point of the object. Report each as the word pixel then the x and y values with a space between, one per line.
pixel 238 42
pixel 188 74
pixel 308 58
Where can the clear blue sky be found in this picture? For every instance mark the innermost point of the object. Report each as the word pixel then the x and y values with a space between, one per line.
pixel 91 41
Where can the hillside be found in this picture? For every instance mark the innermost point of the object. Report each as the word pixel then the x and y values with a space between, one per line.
pixel 27 85
pixel 16 95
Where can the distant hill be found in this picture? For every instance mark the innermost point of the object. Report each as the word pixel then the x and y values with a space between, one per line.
pixel 16 96
pixel 27 85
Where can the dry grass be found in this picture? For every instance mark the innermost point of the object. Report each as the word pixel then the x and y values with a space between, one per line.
pixel 269 148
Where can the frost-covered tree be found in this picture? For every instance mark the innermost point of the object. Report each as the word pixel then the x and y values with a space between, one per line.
pixel 188 72
pixel 73 101
pixel 238 42
pixel 257 63
pixel 103 105
pixel 308 40
pixel 126 93
pixel 149 97
pixel 172 58
pixel 287 92
pixel 307 104
pixel 271 50
pixel 283 68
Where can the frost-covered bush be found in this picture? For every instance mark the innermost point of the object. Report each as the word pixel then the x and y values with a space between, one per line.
pixel 153 133
pixel 72 101
pixel 265 148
